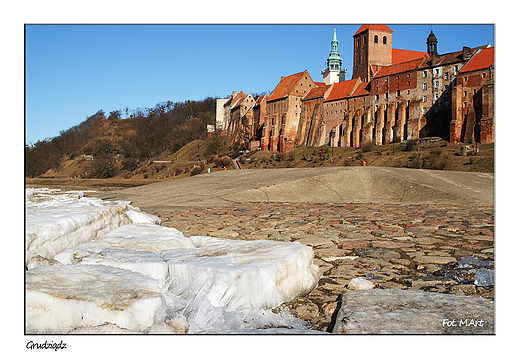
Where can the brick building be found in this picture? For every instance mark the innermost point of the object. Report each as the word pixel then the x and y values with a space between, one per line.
pixel 223 110
pixel 283 110
pixel 473 100
pixel 394 94
pixel 241 119
pixel 259 115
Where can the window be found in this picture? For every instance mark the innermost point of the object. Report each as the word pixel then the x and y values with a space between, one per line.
pixel 377 97
pixel 437 71
pixel 465 78
pixel 436 96
pixel 384 40
pixel 398 93
pixel 424 86
pixel 376 39
pixel 465 93
pixel 425 74
pixel 446 103
pixel 484 75
pixel 408 92
pixel 446 76
pixel 456 69
pixel 424 111
pixel 408 83
pixel 424 99
pixel 436 84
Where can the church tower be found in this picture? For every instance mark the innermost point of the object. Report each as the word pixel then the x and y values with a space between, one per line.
pixel 333 73
pixel 372 49
pixel 431 43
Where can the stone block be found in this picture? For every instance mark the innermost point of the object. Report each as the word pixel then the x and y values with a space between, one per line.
pixel 397 311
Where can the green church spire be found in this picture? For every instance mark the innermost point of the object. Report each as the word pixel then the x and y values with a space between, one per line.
pixel 334 60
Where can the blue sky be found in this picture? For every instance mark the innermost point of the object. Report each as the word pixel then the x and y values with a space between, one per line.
pixel 72 71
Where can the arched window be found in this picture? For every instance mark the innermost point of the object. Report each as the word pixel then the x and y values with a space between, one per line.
pixel 384 40
pixel 376 39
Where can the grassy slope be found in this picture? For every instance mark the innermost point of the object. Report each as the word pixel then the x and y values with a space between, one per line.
pixel 391 155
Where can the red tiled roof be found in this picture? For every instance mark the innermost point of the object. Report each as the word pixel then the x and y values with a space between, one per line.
pixel 483 59
pixel 261 99
pixel 237 98
pixel 399 55
pixel 361 90
pixel 285 86
pixel 342 89
pixel 381 27
pixel 398 68
pixel 319 83
pixel 316 92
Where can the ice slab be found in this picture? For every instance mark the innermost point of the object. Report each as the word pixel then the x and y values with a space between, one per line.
pixel 215 283
pixel 223 275
pixel 62 298
pixel 133 246
pixel 55 222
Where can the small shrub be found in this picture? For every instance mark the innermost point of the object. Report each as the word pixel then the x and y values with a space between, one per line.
pixel 177 170
pixel 278 156
pixel 195 170
pixel 217 161
pixel 348 162
pixel 409 145
pixel 441 162
pixel 187 169
pixel 226 162
pixel 415 161
pixel 202 165
pixel 366 146
pixel 210 159
pixel 435 152
pixel 396 139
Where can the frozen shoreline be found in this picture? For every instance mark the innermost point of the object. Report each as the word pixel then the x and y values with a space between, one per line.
pixel 204 284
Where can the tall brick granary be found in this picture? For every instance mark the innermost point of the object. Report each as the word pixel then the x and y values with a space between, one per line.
pixel 394 95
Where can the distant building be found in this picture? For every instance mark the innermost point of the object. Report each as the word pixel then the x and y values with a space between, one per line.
pixel 394 94
pixel 283 112
pixel 334 73
pixel 223 110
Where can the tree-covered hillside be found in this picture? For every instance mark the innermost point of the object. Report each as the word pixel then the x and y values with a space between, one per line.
pixel 132 136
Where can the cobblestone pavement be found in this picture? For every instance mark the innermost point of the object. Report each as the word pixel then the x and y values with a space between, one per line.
pixel 436 248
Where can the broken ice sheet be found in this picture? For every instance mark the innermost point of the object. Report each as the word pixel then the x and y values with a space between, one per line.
pixel 218 285
pixel 61 298
pixel 62 221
